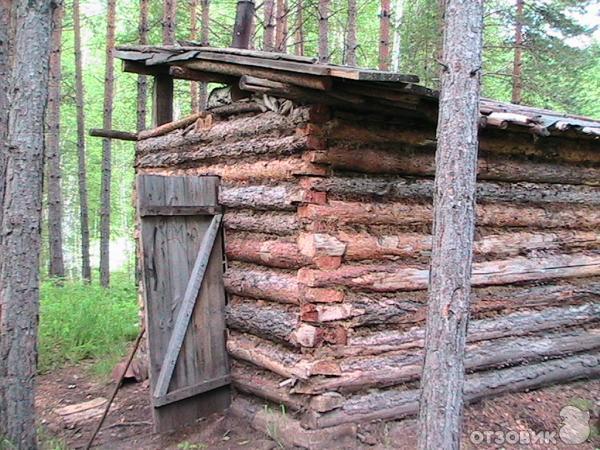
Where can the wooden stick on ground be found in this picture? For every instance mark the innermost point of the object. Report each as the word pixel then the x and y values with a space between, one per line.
pixel 117 386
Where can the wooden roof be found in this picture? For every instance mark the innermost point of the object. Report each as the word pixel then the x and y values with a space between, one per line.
pixel 306 80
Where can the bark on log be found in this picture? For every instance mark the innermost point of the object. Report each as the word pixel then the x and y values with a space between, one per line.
pixel 272 253
pixel 372 133
pixel 394 188
pixel 114 134
pixel 254 147
pixel 396 404
pixel 272 222
pixel 391 278
pixel 262 284
pixel 268 355
pixel 362 246
pixel 237 129
pixel 282 197
pixel 514 324
pixel 488 214
pixel 399 367
pixel 275 322
pixel 281 169
pixel 288 431
pixel 171 126
pixel 264 385
pixel 266 320
pixel 409 161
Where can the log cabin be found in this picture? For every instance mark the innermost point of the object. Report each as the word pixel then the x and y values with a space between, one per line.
pixel 322 177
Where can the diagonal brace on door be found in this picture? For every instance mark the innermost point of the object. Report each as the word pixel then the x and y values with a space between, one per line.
pixel 187 306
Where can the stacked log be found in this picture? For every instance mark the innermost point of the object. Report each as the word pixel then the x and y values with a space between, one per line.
pixel 328 221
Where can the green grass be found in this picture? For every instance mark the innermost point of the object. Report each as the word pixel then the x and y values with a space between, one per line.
pixel 81 322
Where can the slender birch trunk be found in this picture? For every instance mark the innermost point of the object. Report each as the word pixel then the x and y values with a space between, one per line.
pixel 453 227
pixel 397 46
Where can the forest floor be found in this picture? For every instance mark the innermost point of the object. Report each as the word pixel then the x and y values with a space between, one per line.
pixel 128 425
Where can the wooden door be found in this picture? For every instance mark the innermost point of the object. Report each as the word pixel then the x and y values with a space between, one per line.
pixel 182 257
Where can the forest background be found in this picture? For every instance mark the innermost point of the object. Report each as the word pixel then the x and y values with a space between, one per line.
pixel 560 53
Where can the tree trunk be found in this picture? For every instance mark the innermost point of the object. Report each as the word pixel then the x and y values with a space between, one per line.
pixel 281 28
pixel 55 204
pixel 142 83
pixel 517 77
pixel 169 21
pixel 204 34
pixel 453 227
pixel 269 20
pixel 324 31
pixel 20 229
pixel 242 27
pixel 351 34
pixel 384 35
pixel 299 45
pixel 5 32
pixel 397 46
pixel 109 81
pixel 86 271
pixel 193 36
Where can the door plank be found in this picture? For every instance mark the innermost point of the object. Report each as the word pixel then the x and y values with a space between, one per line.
pixel 186 308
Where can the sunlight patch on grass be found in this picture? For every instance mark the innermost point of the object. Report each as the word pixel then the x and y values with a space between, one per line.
pixel 86 322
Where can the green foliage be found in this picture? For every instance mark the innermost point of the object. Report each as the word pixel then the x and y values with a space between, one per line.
pixel 561 70
pixel 79 322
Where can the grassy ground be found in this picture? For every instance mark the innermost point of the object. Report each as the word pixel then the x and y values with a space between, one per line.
pixel 86 322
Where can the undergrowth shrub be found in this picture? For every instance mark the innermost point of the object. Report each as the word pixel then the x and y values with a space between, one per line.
pixel 86 322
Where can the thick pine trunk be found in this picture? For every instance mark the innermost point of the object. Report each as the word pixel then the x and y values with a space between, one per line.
pixel 384 35
pixel 324 6
pixel 169 21
pixel 142 83
pixel 351 34
pixel 242 28
pixel 517 75
pixel 269 21
pixel 5 26
pixel 453 227
pixel 21 219
pixel 109 81
pixel 56 266
pixel 281 28
pixel 86 271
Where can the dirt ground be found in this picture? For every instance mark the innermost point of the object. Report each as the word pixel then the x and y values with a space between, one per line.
pixel 128 425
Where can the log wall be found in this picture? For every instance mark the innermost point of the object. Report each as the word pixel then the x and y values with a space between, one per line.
pixel 328 239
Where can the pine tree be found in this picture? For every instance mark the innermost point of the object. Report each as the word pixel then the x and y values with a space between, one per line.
pixel 20 227
pixel 351 34
pixel 54 194
pixel 109 81
pixel 443 372
pixel 384 35
pixel 323 10
pixel 86 271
